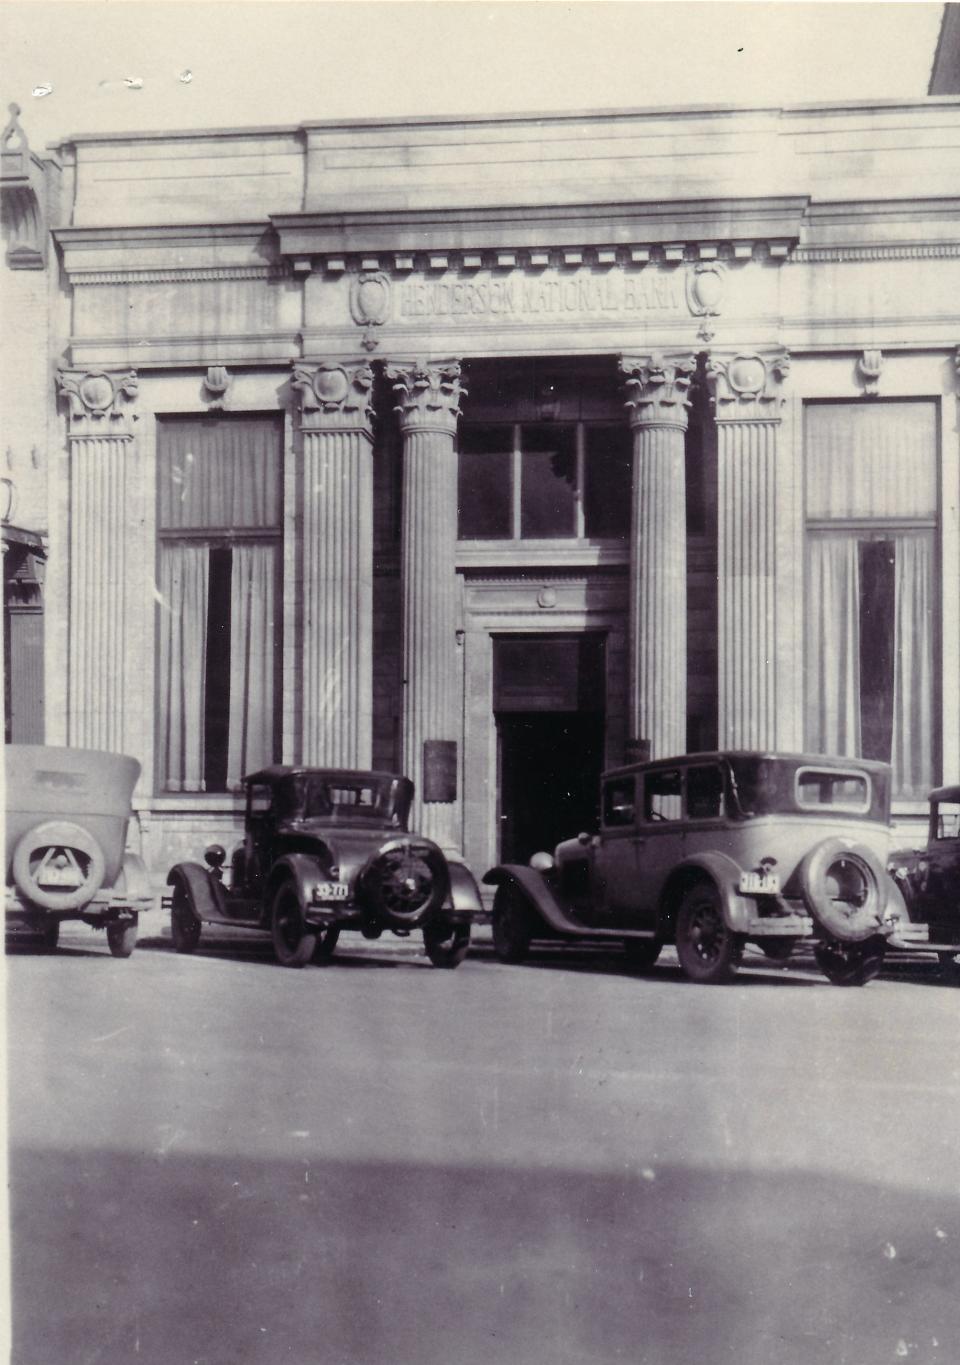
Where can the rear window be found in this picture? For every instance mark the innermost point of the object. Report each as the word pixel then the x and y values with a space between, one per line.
pixel 818 788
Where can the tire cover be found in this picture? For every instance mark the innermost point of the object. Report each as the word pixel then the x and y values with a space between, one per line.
pixel 43 841
pixel 849 925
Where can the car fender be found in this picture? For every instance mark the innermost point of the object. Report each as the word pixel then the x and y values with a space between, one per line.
pixel 133 883
pixel 202 889
pixel 300 868
pixel 539 894
pixel 724 873
pixel 464 892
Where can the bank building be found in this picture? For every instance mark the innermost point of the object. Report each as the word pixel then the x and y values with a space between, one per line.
pixel 493 450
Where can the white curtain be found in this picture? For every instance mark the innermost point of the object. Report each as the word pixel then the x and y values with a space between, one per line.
pixel 219 475
pixel 184 577
pixel 875 460
pixel 913 690
pixel 832 654
pixel 252 637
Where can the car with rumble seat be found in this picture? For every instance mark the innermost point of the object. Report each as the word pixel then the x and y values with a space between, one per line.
pixel 713 851
pixel 67 813
pixel 326 850
pixel 929 878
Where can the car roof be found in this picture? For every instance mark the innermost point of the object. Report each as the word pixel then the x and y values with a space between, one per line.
pixel 716 755
pixel 276 771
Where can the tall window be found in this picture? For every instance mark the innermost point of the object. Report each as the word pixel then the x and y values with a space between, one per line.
pixel 871 599
pixel 544 481
pixel 219 581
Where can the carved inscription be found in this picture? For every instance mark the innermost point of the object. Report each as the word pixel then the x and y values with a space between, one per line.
pixel 553 293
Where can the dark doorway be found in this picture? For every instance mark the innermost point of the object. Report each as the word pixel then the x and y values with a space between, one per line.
pixel 548 701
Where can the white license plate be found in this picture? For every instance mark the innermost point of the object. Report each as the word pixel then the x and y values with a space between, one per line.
pixel 759 883
pixel 60 876
pixel 332 891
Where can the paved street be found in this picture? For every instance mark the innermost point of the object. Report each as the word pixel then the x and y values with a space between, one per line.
pixel 218 1162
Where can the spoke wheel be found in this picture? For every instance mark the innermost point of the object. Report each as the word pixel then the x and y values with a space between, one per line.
pixel 294 943
pixel 446 944
pixel 708 950
pixel 326 943
pixel 511 925
pixel 184 925
pixel 122 937
pixel 641 954
pixel 850 964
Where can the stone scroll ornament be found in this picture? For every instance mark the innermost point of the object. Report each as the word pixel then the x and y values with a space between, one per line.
pixel 99 401
pixel 216 386
pixel 657 388
pixel 428 394
pixel 748 384
pixel 370 304
pixel 334 393
pixel 870 366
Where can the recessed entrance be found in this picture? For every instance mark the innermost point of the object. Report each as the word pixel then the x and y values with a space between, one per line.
pixel 549 709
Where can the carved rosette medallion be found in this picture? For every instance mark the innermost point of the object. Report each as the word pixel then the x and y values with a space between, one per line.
pixel 706 283
pixel 370 303
pixel 334 395
pixel 99 402
pixel 657 388
pixel 748 385
pixel 428 395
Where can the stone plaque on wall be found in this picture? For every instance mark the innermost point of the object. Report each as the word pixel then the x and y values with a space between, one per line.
pixel 440 770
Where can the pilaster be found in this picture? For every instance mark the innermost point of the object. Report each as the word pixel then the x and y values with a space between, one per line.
pixel 336 568
pixel 747 389
pixel 428 403
pixel 657 386
pixel 100 432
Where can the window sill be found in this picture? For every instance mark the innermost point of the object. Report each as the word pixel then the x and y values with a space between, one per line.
pixel 207 802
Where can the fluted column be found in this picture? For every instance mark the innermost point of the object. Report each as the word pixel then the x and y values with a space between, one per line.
pixel 428 401
pixel 657 387
pixel 336 567
pixel 100 437
pixel 747 392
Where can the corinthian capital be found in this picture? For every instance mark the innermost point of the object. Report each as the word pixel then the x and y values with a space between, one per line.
pixel 657 387
pixel 428 394
pixel 99 402
pixel 748 385
pixel 334 395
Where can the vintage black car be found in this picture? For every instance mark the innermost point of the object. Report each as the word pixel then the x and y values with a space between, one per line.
pixel 930 881
pixel 325 850
pixel 712 851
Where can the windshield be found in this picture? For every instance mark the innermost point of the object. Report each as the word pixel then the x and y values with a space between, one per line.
pixel 342 797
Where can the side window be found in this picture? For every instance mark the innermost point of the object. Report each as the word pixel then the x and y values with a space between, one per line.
pixel 704 793
pixel 618 803
pixel 661 795
pixel 259 800
pixel 948 820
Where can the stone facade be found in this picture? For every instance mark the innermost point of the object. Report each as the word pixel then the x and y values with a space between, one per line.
pixel 416 304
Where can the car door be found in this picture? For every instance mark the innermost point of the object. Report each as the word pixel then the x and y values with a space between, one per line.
pixel 615 851
pixel 659 845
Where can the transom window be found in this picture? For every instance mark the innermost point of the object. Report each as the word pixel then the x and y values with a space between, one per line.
pixel 218 595
pixel 544 481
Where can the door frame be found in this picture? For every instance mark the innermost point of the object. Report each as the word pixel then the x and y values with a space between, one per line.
pixel 518 604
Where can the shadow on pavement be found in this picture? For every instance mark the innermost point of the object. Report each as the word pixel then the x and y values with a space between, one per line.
pixel 122 1257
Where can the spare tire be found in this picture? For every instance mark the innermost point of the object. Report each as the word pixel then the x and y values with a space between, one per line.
pixel 58 865
pixel 406 880
pixel 845 889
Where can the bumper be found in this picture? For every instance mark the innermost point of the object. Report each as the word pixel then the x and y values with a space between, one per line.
pixel 348 916
pixel 104 907
pixel 780 926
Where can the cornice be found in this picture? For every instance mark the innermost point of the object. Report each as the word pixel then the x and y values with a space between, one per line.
pixel 879 251
pixel 187 275
pixel 601 234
